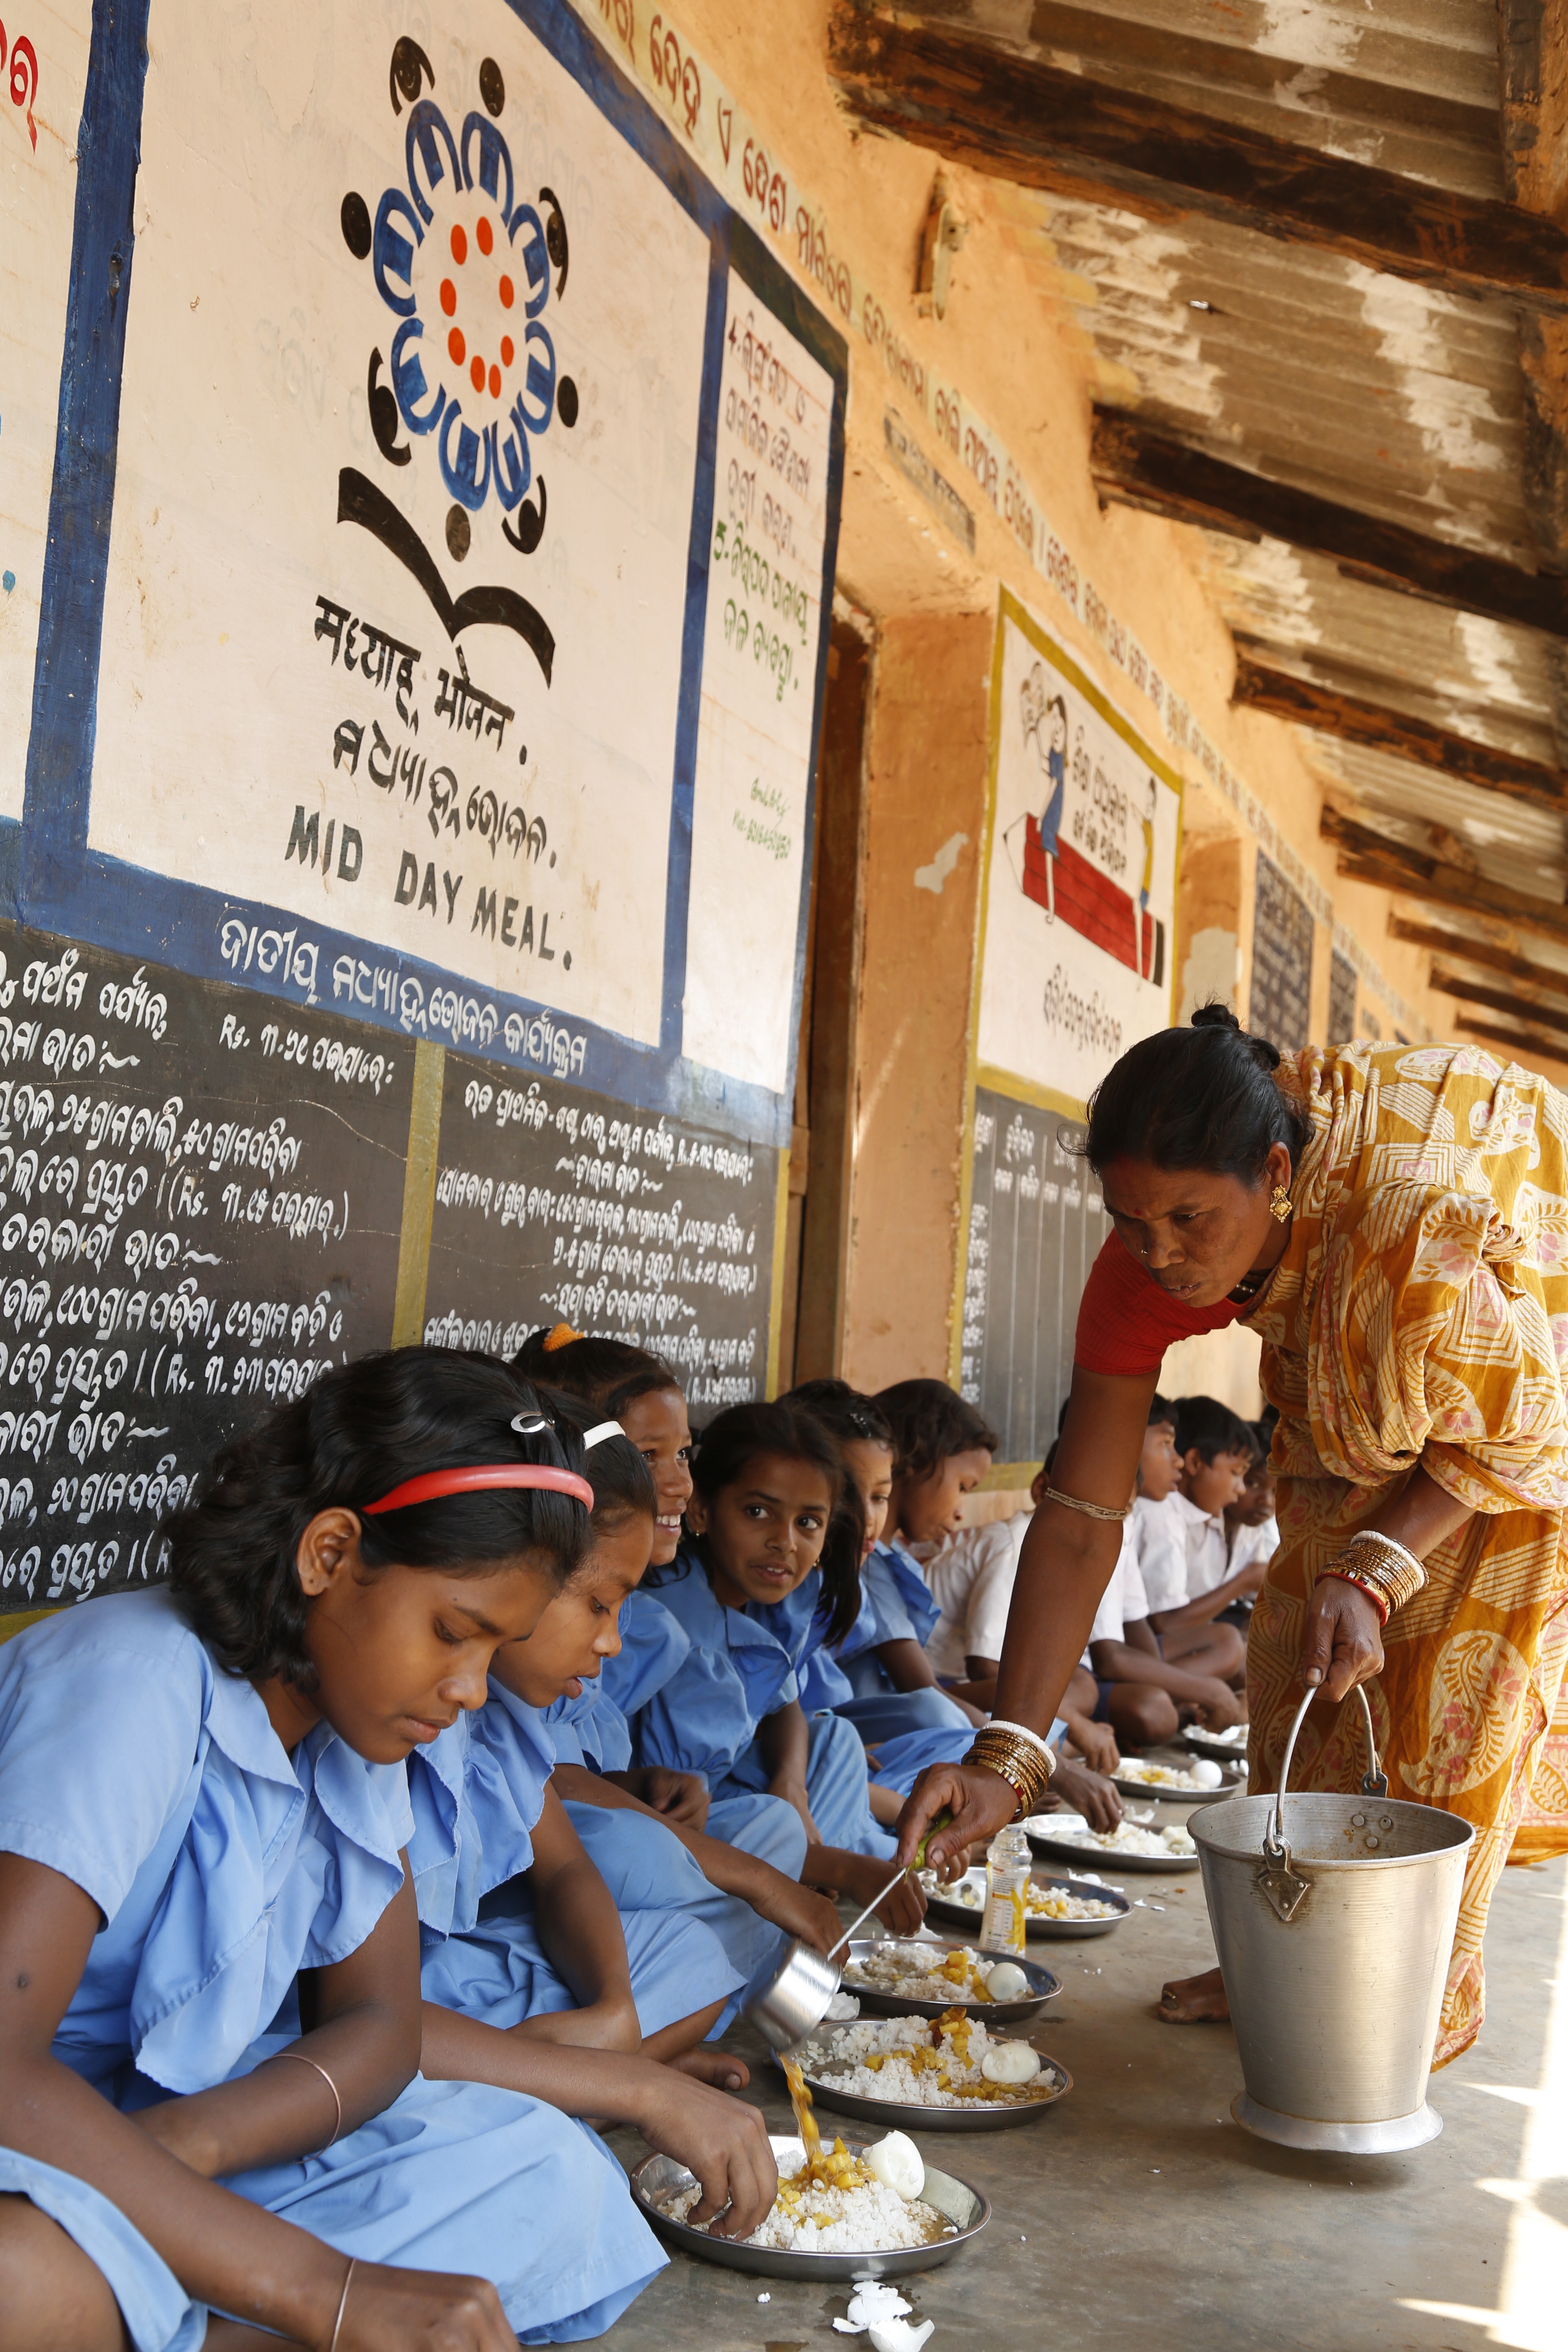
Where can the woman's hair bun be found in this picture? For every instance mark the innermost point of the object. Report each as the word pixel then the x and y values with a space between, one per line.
pixel 1203 1097
pixel 1220 1016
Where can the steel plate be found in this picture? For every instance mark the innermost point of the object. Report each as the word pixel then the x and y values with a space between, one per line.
pixel 966 2208
pixel 944 1905
pixel 894 2115
pixel 1204 1743
pixel 1095 1857
pixel 995 2013
pixel 1234 1787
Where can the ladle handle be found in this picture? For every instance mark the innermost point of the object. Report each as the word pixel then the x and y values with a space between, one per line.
pixel 1374 1780
pixel 865 1914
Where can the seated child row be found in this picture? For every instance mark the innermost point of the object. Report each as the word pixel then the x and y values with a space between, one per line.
pixel 480 1759
pixel 1168 1642
pixel 404 1784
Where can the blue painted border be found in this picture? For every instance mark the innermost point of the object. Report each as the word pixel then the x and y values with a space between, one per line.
pixel 61 886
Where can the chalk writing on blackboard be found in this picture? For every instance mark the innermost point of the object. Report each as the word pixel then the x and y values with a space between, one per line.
pixel 1036 1223
pixel 200 1209
pixel 1282 997
pixel 553 1204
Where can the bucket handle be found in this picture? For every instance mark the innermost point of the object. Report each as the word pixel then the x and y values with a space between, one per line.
pixel 1280 1882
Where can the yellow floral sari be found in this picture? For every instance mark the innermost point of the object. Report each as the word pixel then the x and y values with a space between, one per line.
pixel 1420 1315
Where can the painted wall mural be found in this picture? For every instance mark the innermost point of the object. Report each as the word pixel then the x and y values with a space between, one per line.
pixel 43 73
pixel 474 480
pixel 1078 956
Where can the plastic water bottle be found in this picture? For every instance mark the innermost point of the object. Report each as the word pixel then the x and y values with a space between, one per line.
pixel 1007 1866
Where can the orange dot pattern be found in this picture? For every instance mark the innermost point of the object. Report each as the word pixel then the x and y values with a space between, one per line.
pixel 480 374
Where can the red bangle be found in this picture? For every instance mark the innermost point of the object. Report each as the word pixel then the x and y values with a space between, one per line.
pixel 1378 1599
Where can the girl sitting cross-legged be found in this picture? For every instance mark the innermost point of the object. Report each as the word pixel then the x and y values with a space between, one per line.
pixel 210 2035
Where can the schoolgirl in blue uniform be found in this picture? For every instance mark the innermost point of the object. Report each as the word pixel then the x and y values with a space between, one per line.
pixel 211 2037
pixel 612 1934
pixel 642 1392
pixel 938 1449
pixel 651 1862
pixel 767 1484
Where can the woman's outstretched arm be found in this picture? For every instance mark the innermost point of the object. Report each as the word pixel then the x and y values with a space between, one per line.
pixel 1063 1570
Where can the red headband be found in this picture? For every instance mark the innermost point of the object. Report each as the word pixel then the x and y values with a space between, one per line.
pixel 434 1483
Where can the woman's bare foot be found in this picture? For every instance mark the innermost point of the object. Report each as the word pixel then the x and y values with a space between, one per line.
pixel 1195 2001
pixel 720 2067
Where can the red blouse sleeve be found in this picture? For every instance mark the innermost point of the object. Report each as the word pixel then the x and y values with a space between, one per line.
pixel 1126 1322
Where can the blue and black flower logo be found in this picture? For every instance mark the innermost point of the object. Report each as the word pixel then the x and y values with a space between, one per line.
pixel 470 268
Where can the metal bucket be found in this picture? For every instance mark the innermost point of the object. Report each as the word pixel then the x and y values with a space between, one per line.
pixel 1334 1948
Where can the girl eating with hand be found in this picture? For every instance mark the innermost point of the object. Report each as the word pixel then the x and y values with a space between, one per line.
pixel 210 2035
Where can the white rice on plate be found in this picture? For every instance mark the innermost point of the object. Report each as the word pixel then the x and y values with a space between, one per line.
pixel 1167 1776
pixel 862 2218
pixel 924 1972
pixel 1125 1838
pixel 1040 1902
pixel 914 2061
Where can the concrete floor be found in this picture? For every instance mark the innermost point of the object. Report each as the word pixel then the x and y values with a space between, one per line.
pixel 1138 2215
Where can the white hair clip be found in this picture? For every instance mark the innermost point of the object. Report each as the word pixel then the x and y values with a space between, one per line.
pixel 526 1427
pixel 600 1431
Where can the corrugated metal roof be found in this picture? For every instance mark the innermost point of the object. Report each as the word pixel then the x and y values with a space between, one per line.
pixel 1309 369
pixel 1398 400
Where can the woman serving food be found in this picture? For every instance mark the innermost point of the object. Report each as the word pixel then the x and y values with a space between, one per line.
pixel 1393 1222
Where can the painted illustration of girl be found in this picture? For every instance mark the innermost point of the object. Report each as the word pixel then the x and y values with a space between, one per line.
pixel 1047 721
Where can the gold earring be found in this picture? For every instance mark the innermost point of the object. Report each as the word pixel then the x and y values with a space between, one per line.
pixel 1279 1206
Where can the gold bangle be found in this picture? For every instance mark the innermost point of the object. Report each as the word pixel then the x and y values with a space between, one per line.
pixel 1090 1511
pixel 1017 1761
pixel 1380 1567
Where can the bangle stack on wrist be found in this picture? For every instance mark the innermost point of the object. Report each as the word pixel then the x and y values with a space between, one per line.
pixel 1016 1755
pixel 1382 1569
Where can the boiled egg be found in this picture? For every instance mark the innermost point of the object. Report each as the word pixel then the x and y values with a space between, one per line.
pixel 897 2164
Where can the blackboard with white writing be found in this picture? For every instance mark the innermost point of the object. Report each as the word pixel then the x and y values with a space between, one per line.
pixel 1280 1006
pixel 554 1205
pixel 1036 1223
pixel 201 1196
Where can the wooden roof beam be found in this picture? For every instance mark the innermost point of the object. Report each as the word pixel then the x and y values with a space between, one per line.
pixel 1142 468
pixel 1369 857
pixel 1499 1000
pixel 1533 53
pixel 1478 951
pixel 1038 126
pixel 1284 695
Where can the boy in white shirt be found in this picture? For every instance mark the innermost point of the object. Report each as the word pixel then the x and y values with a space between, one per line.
pixel 1250 1525
pixel 1148 1681
pixel 970 1581
pixel 1187 1571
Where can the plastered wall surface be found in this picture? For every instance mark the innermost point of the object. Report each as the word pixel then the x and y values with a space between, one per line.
pixel 925 792
pixel 904 553
pixel 964 472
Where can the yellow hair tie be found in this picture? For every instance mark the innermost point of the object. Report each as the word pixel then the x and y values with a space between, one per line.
pixel 560 1337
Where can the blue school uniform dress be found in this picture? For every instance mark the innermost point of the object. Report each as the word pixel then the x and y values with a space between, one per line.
pixel 646 1866
pixel 738 1673
pixel 222 1865
pixel 654 1643
pixel 897 1607
pixel 477 1794
pixel 801 1625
